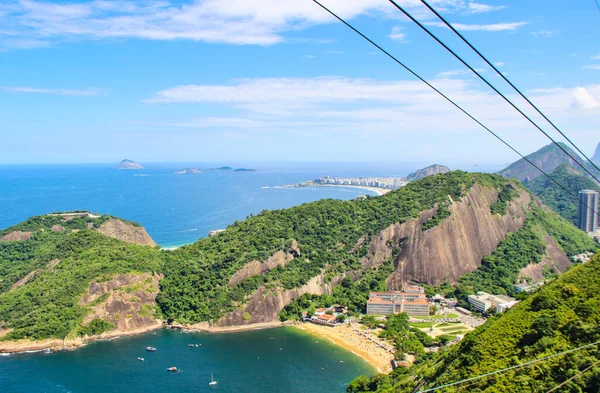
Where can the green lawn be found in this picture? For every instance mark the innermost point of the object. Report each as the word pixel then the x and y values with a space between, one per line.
pixel 451 316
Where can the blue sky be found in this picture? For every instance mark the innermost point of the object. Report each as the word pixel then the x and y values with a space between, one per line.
pixel 281 80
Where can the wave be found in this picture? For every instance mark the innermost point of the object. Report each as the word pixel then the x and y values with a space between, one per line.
pixel 189 230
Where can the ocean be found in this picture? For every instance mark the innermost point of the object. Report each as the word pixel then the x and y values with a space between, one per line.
pixel 284 360
pixel 174 209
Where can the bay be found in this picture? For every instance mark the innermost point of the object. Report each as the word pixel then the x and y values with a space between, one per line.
pixel 284 360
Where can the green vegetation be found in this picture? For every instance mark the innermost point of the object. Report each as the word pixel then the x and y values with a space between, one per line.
pixel 95 327
pixel 441 213
pixel 557 198
pixel 562 315
pixel 507 194
pixel 48 306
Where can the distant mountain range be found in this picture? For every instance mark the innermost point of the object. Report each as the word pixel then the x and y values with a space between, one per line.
pixel 195 171
pixel 596 157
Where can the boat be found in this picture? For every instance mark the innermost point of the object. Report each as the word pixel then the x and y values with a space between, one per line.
pixel 212 380
pixel 191 345
pixel 141 359
pixel 172 369
pixel 150 349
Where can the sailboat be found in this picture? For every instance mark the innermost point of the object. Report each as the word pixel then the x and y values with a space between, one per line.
pixel 212 380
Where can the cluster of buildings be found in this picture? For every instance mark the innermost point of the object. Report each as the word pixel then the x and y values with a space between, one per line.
pixel 411 301
pixel 390 183
pixel 327 316
pixel 587 214
pixel 483 302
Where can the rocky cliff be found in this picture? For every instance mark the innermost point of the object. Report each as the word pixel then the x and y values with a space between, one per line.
pixel 15 236
pixel 266 303
pixel 127 300
pixel 596 157
pixel 457 245
pixel 126 232
pixel 279 259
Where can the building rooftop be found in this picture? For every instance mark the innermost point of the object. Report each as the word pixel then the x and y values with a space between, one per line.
pixel 378 300
pixel 416 301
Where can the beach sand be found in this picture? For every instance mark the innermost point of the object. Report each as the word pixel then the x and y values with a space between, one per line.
pixel 345 336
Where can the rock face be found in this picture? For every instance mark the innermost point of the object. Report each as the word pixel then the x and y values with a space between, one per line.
pixel 253 268
pixel 127 300
pixel 15 236
pixel 555 259
pixel 266 303
pixel 455 246
pixel 596 157
pixel 430 170
pixel 128 164
pixel 128 233
pixel 547 158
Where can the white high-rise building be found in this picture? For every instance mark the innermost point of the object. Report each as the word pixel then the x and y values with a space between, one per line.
pixel 586 219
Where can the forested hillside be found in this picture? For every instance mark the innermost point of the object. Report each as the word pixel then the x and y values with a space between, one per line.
pixel 562 315
pixel 556 197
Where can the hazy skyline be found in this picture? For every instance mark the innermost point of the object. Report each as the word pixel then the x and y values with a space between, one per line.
pixel 267 80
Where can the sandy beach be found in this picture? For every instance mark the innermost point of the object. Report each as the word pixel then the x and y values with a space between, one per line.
pixel 345 336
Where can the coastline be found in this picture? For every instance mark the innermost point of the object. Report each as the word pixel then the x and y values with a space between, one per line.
pixel 345 337
pixel 71 344
pixel 206 327
pixel 376 190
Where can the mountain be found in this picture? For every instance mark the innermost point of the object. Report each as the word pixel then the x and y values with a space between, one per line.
pixel 547 158
pixel 596 157
pixel 188 171
pixel 557 198
pixel 428 171
pixel 128 164
pixel 65 279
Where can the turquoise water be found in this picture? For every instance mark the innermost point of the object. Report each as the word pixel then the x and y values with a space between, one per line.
pixel 282 360
pixel 174 209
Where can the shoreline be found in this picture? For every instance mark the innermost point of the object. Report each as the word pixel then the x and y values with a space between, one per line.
pixel 70 344
pixel 346 338
pixel 376 190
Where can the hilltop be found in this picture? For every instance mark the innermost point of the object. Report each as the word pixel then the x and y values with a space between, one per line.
pixel 63 277
pixel 547 158
pixel 427 171
pixel 596 157
pixel 128 164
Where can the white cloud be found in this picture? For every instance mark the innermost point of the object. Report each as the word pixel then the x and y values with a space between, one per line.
pixel 592 67
pixel 397 34
pixel 544 33
pixel 260 22
pixel 366 107
pixel 476 8
pixel 60 92
pixel 309 56
pixel 511 26
pixel 597 57
pixel 584 100
pixel 334 52
pixel 499 64
pixel 450 73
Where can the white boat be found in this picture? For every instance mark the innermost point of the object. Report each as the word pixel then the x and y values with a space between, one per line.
pixel 212 380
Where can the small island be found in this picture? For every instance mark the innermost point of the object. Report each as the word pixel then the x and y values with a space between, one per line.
pixel 128 164
pixel 195 171
pixel 188 171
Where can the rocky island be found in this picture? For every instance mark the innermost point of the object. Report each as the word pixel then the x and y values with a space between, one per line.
pixel 128 164
pixel 195 171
